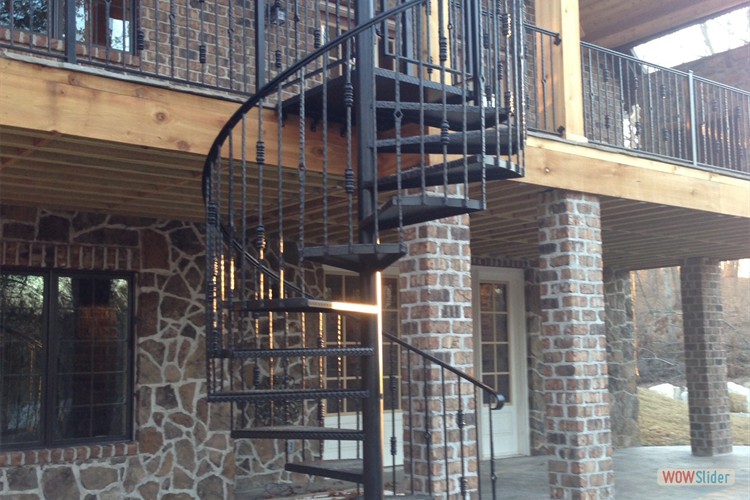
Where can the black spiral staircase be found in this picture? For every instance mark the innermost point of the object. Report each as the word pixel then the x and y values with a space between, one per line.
pixel 366 119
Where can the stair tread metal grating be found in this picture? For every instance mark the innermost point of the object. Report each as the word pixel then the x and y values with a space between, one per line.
pixel 299 432
pixel 458 116
pixel 432 144
pixel 356 257
pixel 410 89
pixel 298 352
pixel 261 395
pixel 454 172
pixel 303 304
pixel 344 470
pixel 416 209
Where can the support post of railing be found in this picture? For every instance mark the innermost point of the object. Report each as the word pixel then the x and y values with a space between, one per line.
pixel 693 123
pixel 260 44
pixel 70 32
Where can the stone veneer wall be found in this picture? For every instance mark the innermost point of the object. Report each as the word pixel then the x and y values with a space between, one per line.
pixel 705 359
pixel 182 448
pixel 621 363
pixel 436 316
pixel 574 346
pixel 535 360
pixel 260 462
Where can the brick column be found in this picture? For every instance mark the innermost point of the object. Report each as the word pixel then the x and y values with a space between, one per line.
pixel 705 359
pixel 574 347
pixel 435 283
pixel 621 363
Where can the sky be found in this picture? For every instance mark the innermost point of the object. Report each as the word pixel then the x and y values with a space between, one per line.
pixel 688 44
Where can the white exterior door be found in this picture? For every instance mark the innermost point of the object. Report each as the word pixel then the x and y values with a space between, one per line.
pixel 500 350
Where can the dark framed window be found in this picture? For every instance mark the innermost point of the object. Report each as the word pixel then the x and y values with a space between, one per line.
pixel 104 23
pixel 65 358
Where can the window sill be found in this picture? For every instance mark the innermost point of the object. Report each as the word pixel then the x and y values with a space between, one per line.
pixel 67 455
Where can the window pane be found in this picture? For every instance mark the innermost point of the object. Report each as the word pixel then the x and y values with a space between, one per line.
pixel 92 323
pixel 501 327
pixel 494 336
pixel 27 15
pixel 486 328
pixel 21 357
pixel 499 298
pixel 390 293
pixel 334 287
pixel 105 23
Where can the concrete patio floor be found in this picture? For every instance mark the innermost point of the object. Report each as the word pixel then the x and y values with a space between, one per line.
pixel 635 474
pixel 525 478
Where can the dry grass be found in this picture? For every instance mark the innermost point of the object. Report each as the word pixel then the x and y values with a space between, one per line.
pixel 664 422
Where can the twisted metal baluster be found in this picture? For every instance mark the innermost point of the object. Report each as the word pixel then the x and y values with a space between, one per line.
pixel 202 57
pixel 427 424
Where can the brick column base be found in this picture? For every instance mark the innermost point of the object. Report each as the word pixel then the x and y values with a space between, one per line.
pixel 574 347
pixel 705 359
pixel 435 283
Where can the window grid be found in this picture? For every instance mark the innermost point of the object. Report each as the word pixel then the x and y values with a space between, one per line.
pixel 345 331
pixel 494 337
pixel 76 389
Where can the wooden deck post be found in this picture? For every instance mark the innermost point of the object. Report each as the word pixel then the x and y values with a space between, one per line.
pixel 561 16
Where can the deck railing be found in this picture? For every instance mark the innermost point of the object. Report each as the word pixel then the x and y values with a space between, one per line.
pixel 633 105
pixel 228 45
pixel 223 45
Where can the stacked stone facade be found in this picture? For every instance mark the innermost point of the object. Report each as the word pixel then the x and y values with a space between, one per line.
pixel 574 346
pixel 436 316
pixel 181 446
pixel 535 348
pixel 705 359
pixel 621 362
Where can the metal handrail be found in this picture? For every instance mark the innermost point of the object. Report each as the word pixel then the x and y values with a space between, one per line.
pixel 499 398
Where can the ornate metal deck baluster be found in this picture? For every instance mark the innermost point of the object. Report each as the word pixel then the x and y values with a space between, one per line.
pixel 704 125
pixel 493 475
pixel 443 404
pixel 461 423
pixel 427 431
pixel 202 56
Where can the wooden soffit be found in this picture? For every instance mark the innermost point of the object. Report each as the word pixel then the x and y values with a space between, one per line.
pixel 625 23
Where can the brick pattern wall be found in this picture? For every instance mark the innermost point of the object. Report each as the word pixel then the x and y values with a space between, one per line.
pixel 621 363
pixel 574 346
pixel 206 43
pixel 726 67
pixel 182 448
pixel 436 315
pixel 705 359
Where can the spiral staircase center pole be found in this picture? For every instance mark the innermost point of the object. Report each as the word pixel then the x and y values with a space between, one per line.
pixel 372 413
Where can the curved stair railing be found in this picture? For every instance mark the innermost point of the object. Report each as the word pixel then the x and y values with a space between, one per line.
pixel 402 118
pixel 458 412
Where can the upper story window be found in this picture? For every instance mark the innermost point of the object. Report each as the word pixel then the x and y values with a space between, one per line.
pixel 105 23
pixel 65 358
